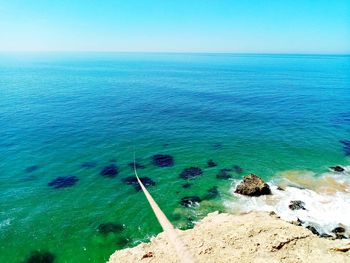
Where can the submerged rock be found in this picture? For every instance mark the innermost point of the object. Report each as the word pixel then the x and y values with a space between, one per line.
pixel 297 205
pixel 224 174
pixel 187 185
pixel 31 168
pixel 63 181
pixel 107 228
pixel 163 160
pixel 110 171
pixel 253 185
pixel 131 180
pixel 189 201
pixel 40 257
pixel 237 169
pixel 211 163
pixel 191 172
pixel 137 165
pixel 337 168
pixel 89 165
pixel 212 193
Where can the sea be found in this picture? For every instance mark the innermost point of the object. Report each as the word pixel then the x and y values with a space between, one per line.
pixel 71 124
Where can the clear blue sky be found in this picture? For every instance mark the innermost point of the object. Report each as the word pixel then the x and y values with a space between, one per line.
pixel 259 26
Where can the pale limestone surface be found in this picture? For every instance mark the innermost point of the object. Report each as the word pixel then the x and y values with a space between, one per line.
pixel 254 237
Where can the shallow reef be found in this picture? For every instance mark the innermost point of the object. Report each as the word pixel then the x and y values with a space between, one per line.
pixel 186 185
pixel 224 174
pixel 237 169
pixel 40 257
pixel 191 172
pixel 163 160
pixel 212 193
pixel 109 227
pixel 31 168
pixel 110 171
pixel 132 180
pixel 63 181
pixel 211 163
pixel 189 201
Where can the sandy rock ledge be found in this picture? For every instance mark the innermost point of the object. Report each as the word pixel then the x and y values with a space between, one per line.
pixel 253 237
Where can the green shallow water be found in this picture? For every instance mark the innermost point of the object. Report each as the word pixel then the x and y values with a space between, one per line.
pixel 264 113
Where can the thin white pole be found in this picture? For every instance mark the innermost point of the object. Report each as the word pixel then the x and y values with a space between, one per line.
pixel 168 228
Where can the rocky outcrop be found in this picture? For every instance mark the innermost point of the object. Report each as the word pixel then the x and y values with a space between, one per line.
pixel 297 205
pixel 252 237
pixel 253 185
pixel 337 168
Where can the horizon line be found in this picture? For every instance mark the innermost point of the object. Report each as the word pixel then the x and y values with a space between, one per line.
pixel 175 52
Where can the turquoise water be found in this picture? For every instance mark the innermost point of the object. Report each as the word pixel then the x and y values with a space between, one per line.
pixel 265 113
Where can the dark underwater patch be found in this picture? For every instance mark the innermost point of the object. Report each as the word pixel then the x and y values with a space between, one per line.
pixel 237 169
pixel 342 119
pixel 131 180
pixel 217 145
pixel 137 165
pixel 187 185
pixel 122 242
pixel 211 163
pixel 189 201
pixel 40 257
pixel 110 171
pixel 191 172
pixel 224 174
pixel 63 181
pixel 89 165
pixel 163 160
pixel 346 146
pixel 212 193
pixel 107 228
pixel 31 168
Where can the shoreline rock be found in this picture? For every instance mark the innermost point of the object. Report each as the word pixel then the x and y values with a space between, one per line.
pixel 253 185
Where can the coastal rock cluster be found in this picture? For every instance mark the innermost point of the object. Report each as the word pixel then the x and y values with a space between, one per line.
pixel 254 186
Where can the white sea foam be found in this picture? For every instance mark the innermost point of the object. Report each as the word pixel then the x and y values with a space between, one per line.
pixel 324 209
